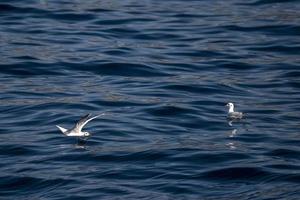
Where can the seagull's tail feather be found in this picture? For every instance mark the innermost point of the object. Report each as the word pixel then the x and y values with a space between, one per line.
pixel 63 130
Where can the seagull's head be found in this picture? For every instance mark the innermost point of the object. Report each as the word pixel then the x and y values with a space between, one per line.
pixel 231 106
pixel 86 134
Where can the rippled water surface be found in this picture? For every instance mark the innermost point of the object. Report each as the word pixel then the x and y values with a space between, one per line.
pixel 162 72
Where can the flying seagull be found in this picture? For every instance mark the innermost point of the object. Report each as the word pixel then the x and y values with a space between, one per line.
pixel 232 114
pixel 76 130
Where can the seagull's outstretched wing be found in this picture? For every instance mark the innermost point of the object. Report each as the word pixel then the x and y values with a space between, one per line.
pixel 84 120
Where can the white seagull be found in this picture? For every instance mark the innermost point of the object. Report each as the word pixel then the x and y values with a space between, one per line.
pixel 232 114
pixel 76 130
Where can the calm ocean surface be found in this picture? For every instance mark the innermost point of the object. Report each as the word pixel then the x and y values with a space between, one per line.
pixel 162 71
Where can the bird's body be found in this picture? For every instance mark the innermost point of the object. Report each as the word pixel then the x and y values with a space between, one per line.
pixel 76 131
pixel 232 114
pixel 235 115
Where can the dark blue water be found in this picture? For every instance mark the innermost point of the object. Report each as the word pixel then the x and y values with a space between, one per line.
pixel 162 71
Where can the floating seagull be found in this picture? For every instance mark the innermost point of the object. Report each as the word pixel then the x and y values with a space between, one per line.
pixel 232 114
pixel 76 130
